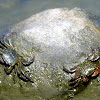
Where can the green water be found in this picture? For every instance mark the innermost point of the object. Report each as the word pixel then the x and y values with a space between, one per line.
pixel 14 11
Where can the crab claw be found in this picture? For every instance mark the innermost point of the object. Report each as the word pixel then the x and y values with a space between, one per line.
pixel 85 79
pixel 74 82
pixel 96 72
pixel 93 75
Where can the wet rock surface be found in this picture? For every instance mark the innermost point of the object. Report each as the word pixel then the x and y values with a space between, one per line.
pixel 56 38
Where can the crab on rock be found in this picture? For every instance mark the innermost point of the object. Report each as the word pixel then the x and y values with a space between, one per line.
pixel 13 61
pixel 95 58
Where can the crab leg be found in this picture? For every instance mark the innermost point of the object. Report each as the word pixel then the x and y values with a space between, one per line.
pixel 23 77
pixel 2 45
pixel 68 71
pixel 29 63
pixel 21 74
pixel 8 70
pixel 1 60
pixel 93 75
pixel 95 55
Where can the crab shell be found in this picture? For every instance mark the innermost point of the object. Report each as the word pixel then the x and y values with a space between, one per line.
pixel 56 37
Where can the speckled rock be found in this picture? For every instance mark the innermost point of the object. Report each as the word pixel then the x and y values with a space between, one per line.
pixel 56 37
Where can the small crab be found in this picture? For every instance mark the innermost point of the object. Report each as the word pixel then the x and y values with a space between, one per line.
pixel 13 61
pixel 94 58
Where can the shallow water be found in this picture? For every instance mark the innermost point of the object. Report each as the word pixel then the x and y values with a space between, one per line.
pixel 14 11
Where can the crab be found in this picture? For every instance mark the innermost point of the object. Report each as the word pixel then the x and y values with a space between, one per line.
pixel 13 61
pixel 94 58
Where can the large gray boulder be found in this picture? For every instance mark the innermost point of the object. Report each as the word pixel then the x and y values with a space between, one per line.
pixel 56 38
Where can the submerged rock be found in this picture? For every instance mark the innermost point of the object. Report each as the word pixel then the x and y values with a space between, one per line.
pixel 54 38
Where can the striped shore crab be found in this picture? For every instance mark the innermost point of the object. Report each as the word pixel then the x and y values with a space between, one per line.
pixel 61 40
pixel 12 60
pixel 90 72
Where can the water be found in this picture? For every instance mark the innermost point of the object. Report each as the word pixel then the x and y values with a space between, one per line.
pixel 14 11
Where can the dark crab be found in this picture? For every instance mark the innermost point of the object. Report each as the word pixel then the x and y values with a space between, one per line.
pixel 13 61
pixel 94 58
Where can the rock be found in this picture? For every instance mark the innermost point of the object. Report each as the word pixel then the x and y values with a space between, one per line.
pixel 56 38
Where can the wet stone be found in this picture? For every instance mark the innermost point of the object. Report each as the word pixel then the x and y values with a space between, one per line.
pixel 44 43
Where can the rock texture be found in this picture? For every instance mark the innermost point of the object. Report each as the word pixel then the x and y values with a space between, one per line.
pixel 56 37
